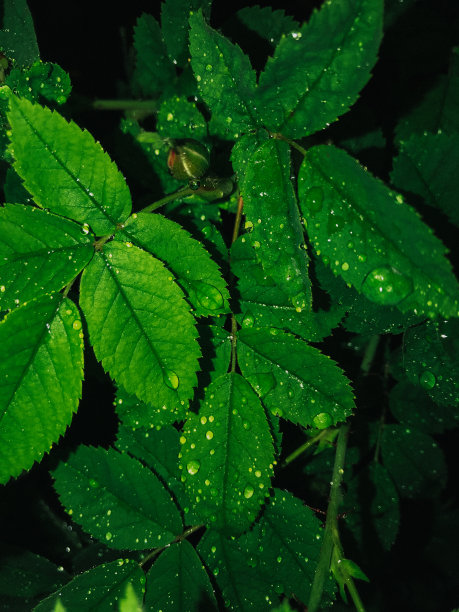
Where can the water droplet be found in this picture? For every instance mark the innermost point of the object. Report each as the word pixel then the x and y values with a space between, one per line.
pixel 248 320
pixel 209 435
pixel 322 420
pixel 193 467
pixel 386 285
pixel 76 324
pixel 93 483
pixel 248 492
pixel 314 199
pixel 208 296
pixel 427 380
pixel 108 536
pixel 209 67
pixel 2 288
pixel 170 378
pixel 246 425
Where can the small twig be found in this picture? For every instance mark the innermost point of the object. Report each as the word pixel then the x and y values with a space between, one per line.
pixel 181 193
pixel 304 447
pixel 126 105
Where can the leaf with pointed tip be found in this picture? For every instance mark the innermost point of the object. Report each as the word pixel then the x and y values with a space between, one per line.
pixel 174 26
pixel 17 37
pixel 427 165
pixel 178 581
pixel 129 602
pixel 414 461
pixel 267 23
pixel 179 118
pixel 42 80
pixel 153 73
pixel 39 253
pixel 41 370
pixel 140 326
pixel 263 304
pixel 116 499
pixel 99 589
pixel 316 73
pixel 227 454
pixel 372 238
pixel 294 380
pixel 271 210
pixel 65 169
pixel 195 271
pixel 225 79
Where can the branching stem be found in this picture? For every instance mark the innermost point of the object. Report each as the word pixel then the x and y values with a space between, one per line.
pixel 155 552
pixel 304 447
pixel 126 105
pixel 181 193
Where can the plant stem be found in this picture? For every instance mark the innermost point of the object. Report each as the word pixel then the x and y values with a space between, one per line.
pixel 236 228
pixel 155 552
pixel 331 523
pixel 369 354
pixel 181 193
pixel 292 143
pixel 301 449
pixel 141 105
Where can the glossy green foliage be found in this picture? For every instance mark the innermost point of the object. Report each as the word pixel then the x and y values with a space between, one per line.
pixel 179 118
pixel 267 23
pixel 308 67
pixel 116 499
pixel 99 588
pixel 39 253
pixel 273 217
pixel 356 224
pixel 426 166
pixel 133 305
pixel 178 581
pixel 65 169
pixel 227 455
pixel 193 268
pixel 431 360
pixel 42 80
pixel 129 602
pixel 174 25
pixel 17 36
pixel 294 380
pixel 225 78
pixel 42 360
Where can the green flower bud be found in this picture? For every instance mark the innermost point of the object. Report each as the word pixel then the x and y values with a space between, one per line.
pixel 188 159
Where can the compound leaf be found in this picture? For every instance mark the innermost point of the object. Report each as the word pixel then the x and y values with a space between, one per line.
pixel 194 269
pixel 272 214
pixel 267 23
pixel 227 454
pixel 41 370
pixel 427 165
pixel 65 169
pixel 294 380
pixel 175 28
pixel 414 461
pixel 317 72
pixel 178 581
pixel 225 78
pixel 116 499
pixel 140 325
pixel 39 253
pixel 99 589
pixel 372 238
pixel 17 37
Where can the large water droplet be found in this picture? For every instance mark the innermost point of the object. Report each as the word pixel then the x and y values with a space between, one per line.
pixel 208 296
pixel 314 199
pixel 192 467
pixel 427 380
pixel 170 378
pixel 386 285
pixel 248 492
pixel 248 320
pixel 322 420
pixel 76 324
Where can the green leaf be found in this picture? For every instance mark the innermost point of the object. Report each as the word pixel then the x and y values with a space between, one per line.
pixel 427 166
pixel 130 602
pixel 99 588
pixel 294 380
pixel 317 72
pixel 17 38
pixel 39 253
pixel 194 269
pixel 175 28
pixel 179 118
pixel 272 214
pixel 178 581
pixel 65 169
pixel 431 359
pixel 140 326
pixel 227 454
pixel 41 369
pixel 267 23
pixel 412 406
pixel 135 413
pixel 243 150
pixel 215 344
pixel 154 73
pixel 41 80
pixel 372 503
pixel 116 499
pixel 263 304
pixel 437 111
pixel 14 190
pixel 372 238
pixel 226 80
pixel 414 461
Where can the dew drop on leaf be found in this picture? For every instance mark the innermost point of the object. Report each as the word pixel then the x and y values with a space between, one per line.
pixel 193 467
pixel 248 320
pixel 427 380
pixel 208 296
pixel 76 324
pixel 322 420
pixel 386 285
pixel 93 483
pixel 314 199
pixel 248 492
pixel 170 378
